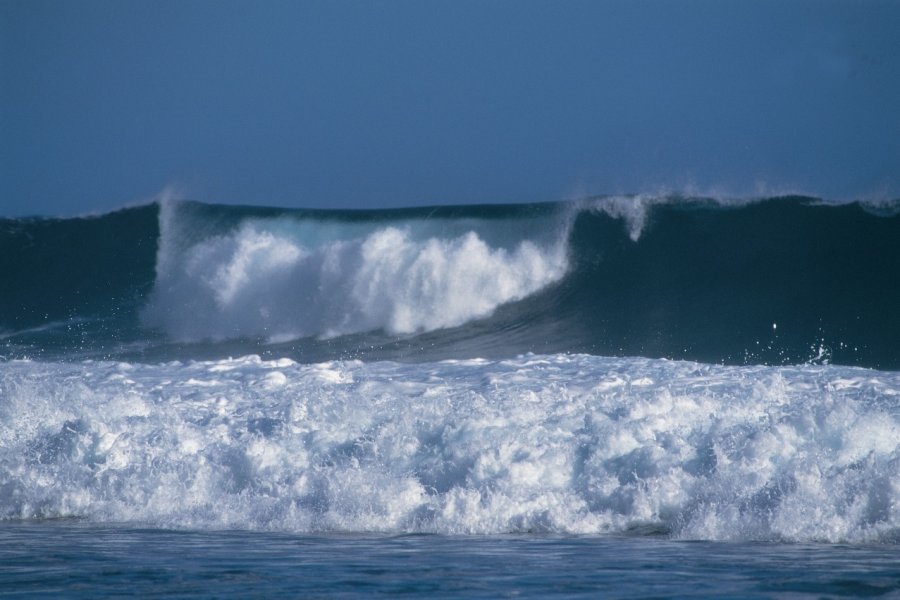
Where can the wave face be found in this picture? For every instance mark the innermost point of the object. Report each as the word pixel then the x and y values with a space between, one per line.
pixel 568 444
pixel 777 281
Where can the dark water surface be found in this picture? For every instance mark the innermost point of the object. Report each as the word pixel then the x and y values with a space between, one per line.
pixel 775 281
pixel 87 561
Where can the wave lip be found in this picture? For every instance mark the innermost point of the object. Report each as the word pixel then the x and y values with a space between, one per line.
pixel 554 443
pixel 284 278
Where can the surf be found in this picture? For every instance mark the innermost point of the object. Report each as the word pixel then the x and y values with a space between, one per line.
pixel 568 444
pixel 285 278
pixel 761 281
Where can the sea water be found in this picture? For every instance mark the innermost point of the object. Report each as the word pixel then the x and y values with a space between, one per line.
pixel 628 397
pixel 72 560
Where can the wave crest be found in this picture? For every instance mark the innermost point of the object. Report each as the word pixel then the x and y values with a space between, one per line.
pixel 268 278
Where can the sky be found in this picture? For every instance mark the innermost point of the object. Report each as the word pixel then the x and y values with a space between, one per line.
pixel 383 104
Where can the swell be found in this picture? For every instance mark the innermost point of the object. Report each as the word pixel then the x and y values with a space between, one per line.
pixel 772 281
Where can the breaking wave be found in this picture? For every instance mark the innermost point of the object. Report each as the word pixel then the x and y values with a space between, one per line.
pixel 566 444
pixel 765 281
pixel 283 278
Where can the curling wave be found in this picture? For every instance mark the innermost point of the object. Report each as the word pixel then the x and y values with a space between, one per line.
pixel 767 281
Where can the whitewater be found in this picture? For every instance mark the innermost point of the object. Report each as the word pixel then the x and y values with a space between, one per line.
pixel 514 383
pixel 561 443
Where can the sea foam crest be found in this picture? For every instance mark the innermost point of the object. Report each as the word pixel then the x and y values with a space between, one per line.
pixel 284 278
pixel 556 443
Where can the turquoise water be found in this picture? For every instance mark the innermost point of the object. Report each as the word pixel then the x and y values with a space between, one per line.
pixel 89 561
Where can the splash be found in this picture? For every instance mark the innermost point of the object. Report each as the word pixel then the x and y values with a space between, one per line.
pixel 554 443
pixel 284 278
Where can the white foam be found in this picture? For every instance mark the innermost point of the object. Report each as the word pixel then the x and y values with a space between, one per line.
pixel 572 444
pixel 282 279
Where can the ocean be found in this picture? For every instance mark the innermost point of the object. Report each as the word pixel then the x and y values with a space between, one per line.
pixel 619 396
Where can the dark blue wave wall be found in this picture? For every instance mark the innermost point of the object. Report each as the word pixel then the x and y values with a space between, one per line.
pixel 69 269
pixel 778 281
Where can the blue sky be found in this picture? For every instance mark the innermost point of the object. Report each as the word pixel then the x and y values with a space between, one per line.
pixel 382 104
